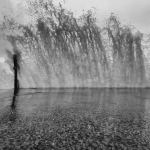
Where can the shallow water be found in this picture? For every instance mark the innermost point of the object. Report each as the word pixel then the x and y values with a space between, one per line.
pixel 135 100
pixel 125 111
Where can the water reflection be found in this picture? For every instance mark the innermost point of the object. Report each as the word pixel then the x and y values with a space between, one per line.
pixel 9 110
pixel 123 113
pixel 13 109
pixel 109 100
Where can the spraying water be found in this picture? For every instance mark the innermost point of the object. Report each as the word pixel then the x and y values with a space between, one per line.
pixel 64 51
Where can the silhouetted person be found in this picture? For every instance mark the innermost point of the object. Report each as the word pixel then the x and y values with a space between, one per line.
pixel 16 69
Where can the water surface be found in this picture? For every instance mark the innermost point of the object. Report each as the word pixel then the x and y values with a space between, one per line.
pixel 121 117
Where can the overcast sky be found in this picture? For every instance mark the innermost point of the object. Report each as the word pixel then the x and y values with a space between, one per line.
pixel 135 12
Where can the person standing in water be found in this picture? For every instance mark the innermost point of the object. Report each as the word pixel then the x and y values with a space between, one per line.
pixel 16 69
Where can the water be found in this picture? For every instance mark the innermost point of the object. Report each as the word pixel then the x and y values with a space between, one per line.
pixel 54 117
pixel 66 51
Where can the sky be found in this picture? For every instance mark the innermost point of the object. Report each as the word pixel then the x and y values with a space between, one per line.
pixel 134 12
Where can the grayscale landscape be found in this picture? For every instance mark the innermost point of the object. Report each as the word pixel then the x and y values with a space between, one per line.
pixel 75 74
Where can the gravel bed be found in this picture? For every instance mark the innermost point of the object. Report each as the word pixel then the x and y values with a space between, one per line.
pixel 74 128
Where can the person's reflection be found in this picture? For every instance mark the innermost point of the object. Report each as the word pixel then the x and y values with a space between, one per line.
pixel 13 109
